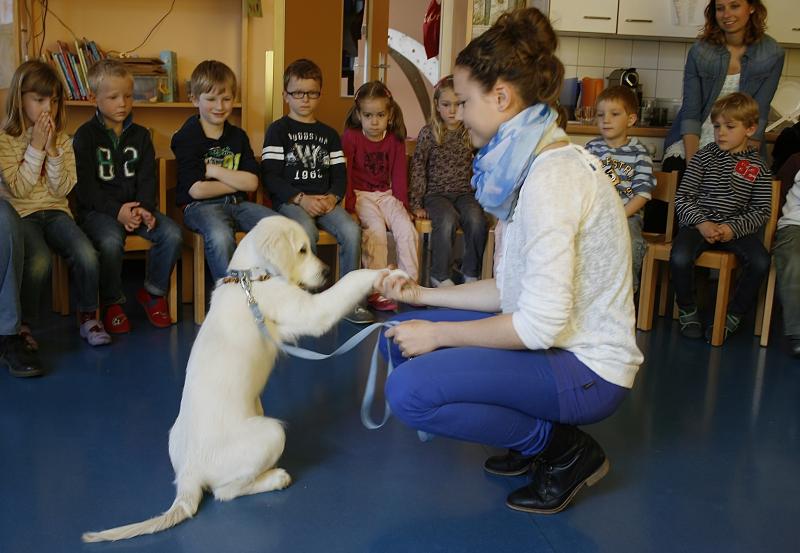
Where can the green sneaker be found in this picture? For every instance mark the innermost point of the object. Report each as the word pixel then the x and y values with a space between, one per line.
pixel 689 319
pixel 732 323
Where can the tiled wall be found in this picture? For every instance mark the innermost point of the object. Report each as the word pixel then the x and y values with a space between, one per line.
pixel 660 64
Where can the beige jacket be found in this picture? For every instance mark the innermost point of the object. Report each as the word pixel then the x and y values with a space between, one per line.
pixel 32 180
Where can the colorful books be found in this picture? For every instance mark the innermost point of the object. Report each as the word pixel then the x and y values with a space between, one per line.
pixel 72 67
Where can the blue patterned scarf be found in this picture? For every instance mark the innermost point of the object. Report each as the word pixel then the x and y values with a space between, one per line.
pixel 501 166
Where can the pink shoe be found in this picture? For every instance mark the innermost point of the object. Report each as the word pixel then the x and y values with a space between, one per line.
pixel 94 333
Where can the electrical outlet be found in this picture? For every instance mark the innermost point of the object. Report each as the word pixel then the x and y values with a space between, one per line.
pixel 254 8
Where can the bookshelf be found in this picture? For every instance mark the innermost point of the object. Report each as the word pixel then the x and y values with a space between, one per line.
pixel 196 31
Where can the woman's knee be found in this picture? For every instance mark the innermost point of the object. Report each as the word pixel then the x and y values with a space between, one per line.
pixel 403 393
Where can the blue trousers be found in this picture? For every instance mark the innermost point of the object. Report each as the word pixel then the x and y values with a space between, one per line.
pixel 339 223
pixel 218 220
pixel 108 236
pixel 52 228
pixel 502 398
pixel 11 265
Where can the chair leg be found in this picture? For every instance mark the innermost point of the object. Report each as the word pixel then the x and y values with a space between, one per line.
pixel 60 276
pixel 187 280
pixel 721 307
pixel 199 271
pixel 487 269
pixel 172 295
pixel 647 292
pixel 663 293
pixel 769 302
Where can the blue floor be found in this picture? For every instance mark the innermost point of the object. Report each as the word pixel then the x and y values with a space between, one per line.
pixel 704 457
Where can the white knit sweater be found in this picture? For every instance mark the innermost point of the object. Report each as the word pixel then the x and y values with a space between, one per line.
pixel 565 266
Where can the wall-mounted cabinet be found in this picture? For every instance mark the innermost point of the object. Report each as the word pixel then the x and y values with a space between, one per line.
pixel 783 21
pixel 653 18
pixel 599 16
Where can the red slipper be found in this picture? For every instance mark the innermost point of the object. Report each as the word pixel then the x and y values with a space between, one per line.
pixel 155 307
pixel 115 320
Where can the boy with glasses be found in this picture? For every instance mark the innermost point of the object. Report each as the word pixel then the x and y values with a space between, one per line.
pixel 303 168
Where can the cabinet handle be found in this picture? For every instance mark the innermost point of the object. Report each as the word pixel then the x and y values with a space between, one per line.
pixel 597 17
pixel 638 21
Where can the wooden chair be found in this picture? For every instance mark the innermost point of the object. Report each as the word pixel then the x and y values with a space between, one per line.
pixel 133 244
pixel 425 229
pixel 194 280
pixel 724 262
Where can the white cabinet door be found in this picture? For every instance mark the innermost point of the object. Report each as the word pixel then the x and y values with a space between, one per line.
pixel 660 18
pixel 596 16
pixel 783 20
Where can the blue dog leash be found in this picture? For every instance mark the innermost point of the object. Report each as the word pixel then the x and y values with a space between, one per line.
pixel 245 279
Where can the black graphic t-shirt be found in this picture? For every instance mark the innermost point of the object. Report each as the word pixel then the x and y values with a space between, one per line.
pixel 194 150
pixel 113 170
pixel 302 157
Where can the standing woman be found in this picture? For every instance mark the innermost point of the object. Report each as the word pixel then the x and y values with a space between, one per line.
pixel 518 361
pixel 733 54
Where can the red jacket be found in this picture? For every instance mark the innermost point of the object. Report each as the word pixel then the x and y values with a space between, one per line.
pixel 375 166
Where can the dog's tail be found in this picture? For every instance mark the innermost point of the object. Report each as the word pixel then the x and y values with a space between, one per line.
pixel 185 506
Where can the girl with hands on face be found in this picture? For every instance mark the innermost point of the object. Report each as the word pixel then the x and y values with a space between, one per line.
pixel 38 169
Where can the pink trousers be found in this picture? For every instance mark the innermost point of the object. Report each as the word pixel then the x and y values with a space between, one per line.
pixel 379 211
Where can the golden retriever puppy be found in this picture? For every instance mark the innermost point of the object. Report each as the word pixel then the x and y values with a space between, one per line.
pixel 221 441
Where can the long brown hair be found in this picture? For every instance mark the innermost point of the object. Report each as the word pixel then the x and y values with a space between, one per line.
pixel 520 49
pixel 372 90
pixel 437 124
pixel 33 76
pixel 756 25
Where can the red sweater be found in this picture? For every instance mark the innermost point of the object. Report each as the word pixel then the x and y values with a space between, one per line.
pixel 375 166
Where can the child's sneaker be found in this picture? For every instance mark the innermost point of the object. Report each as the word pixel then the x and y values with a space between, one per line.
pixel 94 333
pixel 155 307
pixel 360 316
pixel 689 319
pixel 442 283
pixel 381 303
pixel 115 320
pixel 732 323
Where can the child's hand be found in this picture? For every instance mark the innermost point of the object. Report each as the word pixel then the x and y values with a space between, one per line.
pixel 725 232
pixel 420 213
pixel 313 204
pixel 50 145
pixel 147 218
pixel 41 132
pixel 330 202
pixel 129 217
pixel 709 230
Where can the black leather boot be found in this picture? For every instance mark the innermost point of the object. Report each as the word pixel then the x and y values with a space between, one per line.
pixel 20 361
pixel 571 460
pixel 512 463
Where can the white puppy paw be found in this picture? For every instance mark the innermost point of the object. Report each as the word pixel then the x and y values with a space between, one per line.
pixel 282 479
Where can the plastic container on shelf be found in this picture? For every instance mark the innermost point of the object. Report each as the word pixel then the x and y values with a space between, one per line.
pixel 149 88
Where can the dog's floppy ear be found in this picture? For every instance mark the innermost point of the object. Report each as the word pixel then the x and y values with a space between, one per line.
pixel 275 250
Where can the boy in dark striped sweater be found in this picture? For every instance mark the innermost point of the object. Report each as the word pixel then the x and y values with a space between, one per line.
pixel 722 202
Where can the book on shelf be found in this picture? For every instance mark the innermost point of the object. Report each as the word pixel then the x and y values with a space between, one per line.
pixel 170 60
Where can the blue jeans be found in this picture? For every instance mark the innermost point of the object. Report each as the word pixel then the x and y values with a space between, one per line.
pixel 339 223
pixel 749 250
pixel 447 212
pixel 51 228
pixel 12 257
pixel 502 398
pixel 108 236
pixel 218 220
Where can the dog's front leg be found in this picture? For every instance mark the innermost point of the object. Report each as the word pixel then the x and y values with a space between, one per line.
pixel 319 312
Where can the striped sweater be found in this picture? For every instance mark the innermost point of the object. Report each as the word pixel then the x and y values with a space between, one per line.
pixel 725 188
pixel 629 167
pixel 32 180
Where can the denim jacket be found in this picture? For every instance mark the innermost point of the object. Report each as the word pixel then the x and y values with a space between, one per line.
pixel 704 75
